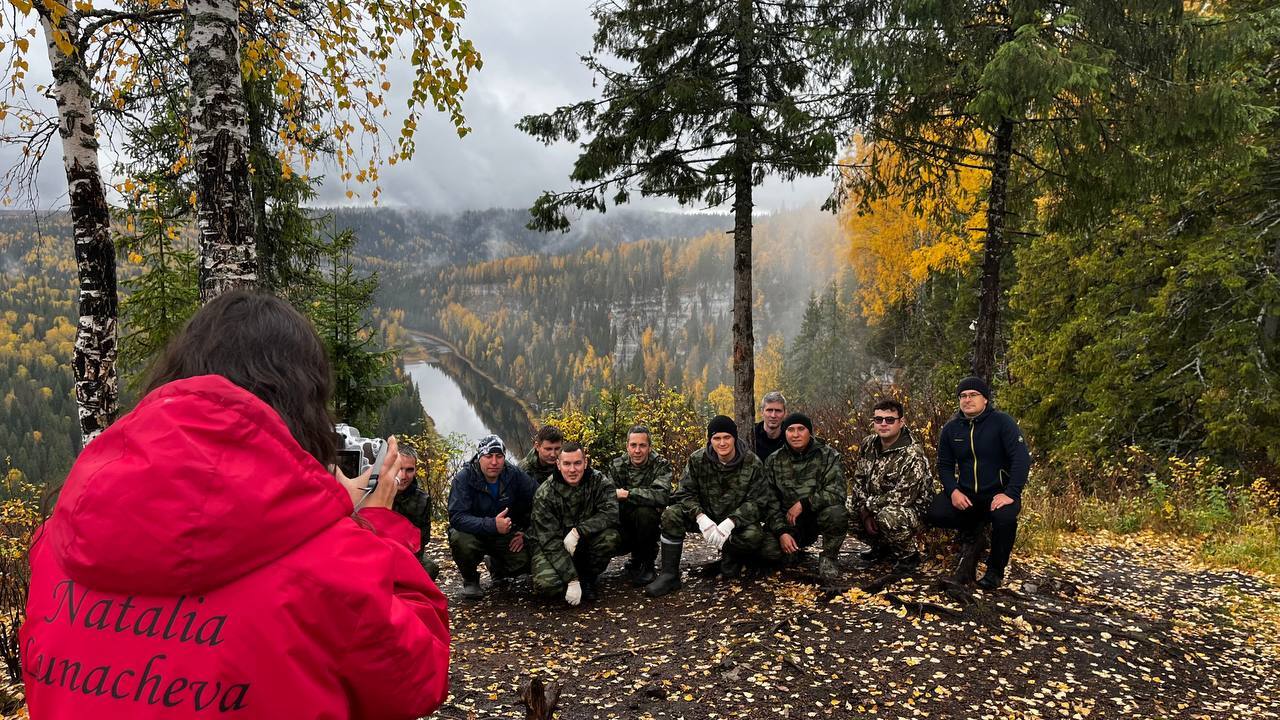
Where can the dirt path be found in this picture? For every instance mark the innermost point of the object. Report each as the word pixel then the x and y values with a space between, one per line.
pixel 1111 627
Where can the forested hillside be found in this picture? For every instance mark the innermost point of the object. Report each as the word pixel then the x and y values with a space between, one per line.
pixel 554 327
pixel 39 435
pixel 404 237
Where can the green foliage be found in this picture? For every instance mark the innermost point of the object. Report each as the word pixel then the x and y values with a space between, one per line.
pixel 339 308
pixel 676 424
pixel 439 459
pixel 826 360
pixel 1159 328
pixel 20 515
pixel 710 90
pixel 1235 514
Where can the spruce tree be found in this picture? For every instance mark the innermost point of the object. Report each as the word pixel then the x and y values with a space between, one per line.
pixel 712 98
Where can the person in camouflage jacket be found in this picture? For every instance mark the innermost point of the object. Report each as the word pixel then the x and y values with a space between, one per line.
pixel 575 528
pixel 415 504
pixel 540 461
pixel 722 494
pixel 643 481
pixel 892 489
pixel 809 490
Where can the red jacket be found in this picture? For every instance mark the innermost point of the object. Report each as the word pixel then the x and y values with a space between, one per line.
pixel 200 564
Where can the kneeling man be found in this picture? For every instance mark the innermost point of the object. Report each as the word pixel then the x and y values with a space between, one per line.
pixel 808 481
pixel 575 526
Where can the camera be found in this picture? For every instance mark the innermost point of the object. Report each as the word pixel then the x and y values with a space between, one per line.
pixel 357 453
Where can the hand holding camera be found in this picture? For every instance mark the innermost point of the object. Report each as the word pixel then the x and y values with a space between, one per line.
pixel 365 488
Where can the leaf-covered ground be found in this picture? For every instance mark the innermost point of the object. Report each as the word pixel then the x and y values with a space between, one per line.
pixel 1110 627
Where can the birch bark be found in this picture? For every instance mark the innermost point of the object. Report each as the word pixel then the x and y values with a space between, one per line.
pixel 94 362
pixel 220 136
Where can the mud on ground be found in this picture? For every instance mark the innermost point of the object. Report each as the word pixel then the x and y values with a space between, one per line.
pixel 1110 627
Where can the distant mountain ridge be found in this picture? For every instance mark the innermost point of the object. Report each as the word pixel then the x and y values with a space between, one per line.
pixel 417 237
pixel 433 239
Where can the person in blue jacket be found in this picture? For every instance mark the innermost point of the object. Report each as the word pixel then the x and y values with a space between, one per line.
pixel 983 463
pixel 490 504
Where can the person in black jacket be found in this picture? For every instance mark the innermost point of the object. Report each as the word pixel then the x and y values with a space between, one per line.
pixel 490 504
pixel 983 462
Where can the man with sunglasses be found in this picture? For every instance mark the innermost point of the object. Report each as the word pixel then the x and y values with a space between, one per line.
pixel 983 462
pixel 891 490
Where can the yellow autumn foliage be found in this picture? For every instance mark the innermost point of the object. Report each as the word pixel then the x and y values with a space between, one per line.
pixel 894 243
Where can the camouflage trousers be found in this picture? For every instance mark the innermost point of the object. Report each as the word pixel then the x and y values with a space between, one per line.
pixel 748 544
pixel 639 526
pixel 831 522
pixel 469 550
pixel 898 527
pixel 554 569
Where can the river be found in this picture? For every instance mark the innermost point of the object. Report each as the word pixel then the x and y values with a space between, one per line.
pixel 463 400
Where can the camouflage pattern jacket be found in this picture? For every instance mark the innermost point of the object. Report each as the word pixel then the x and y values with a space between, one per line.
pixel 736 490
pixel 558 507
pixel 534 468
pixel 415 504
pixel 814 478
pixel 897 477
pixel 648 485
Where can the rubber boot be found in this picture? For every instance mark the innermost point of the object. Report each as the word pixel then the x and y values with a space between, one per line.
pixel 668 579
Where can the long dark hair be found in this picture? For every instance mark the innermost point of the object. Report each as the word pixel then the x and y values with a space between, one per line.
pixel 260 343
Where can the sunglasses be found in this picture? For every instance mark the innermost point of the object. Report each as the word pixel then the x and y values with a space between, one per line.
pixel 882 420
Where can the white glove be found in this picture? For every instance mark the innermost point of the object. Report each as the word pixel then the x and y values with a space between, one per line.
pixel 573 593
pixel 726 528
pixel 571 543
pixel 708 528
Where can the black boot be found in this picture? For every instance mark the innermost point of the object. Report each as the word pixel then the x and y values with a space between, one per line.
pixel 589 588
pixel 730 567
pixel 642 571
pixel 991 579
pixel 869 557
pixel 971 548
pixel 668 579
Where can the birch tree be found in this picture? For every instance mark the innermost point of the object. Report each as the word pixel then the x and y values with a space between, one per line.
pixel 94 359
pixel 220 143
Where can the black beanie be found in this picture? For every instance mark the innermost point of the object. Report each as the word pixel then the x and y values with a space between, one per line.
pixel 797 418
pixel 721 423
pixel 974 382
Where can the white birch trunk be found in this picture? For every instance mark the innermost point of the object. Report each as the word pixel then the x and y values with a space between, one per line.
pixel 96 385
pixel 220 135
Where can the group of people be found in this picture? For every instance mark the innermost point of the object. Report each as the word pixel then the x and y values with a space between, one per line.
pixel 206 552
pixel 561 519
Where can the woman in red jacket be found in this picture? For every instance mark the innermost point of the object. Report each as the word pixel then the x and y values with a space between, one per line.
pixel 203 561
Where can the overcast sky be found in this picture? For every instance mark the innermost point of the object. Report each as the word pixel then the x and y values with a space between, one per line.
pixel 531 52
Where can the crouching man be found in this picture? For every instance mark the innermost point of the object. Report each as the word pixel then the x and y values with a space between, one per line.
pixel 892 488
pixel 575 526
pixel 808 482
pixel 643 480
pixel 489 506
pixel 722 494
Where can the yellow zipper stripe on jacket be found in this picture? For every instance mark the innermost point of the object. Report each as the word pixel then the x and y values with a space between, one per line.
pixel 973 449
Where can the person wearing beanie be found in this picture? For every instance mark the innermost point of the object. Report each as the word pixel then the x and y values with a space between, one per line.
pixel 721 495
pixel 808 486
pixel 891 490
pixel 983 462
pixel 490 504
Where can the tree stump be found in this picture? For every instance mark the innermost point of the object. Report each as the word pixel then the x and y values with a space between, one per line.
pixel 539 699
